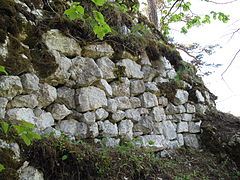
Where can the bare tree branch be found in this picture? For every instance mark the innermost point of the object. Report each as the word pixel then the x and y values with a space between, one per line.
pixel 228 2
pixel 230 63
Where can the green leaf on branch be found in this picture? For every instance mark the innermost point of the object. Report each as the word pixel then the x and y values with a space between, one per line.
pixel 26 139
pixel 76 11
pixel 5 127
pixel 99 17
pixel 99 2
pixel 3 70
pixel 28 125
pixel 1 167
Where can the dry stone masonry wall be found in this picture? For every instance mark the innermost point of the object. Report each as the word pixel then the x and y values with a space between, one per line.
pixel 90 95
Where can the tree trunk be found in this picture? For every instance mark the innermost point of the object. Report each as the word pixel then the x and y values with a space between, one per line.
pixel 152 12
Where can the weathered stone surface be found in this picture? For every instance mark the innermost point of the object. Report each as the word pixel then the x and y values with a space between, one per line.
pixel 194 127
pixel 173 144
pixel 158 114
pixel 75 115
pixel 55 40
pixel 171 109
pixel 130 68
pixel 4 48
pixel 29 172
pixel 149 100
pixel 89 118
pixel 149 73
pixel 169 130
pixel 191 140
pixel 112 105
pixel 93 130
pixel 123 103
pixel 3 104
pixel 125 55
pixel 28 101
pixel 200 108
pixel 103 84
pixel 30 82
pixel 152 87
pixel 137 87
pixel 181 97
pixel 160 79
pixel 171 74
pixel 84 71
pixel 107 67
pixel 199 96
pixel 10 86
pixel 118 116
pixel 50 131
pixel 133 114
pixel 97 51
pixel 182 117
pixel 163 101
pixel 43 119
pixel 121 88
pixel 74 128
pixel 110 142
pixel 46 95
pixel 90 98
pixel 107 129
pixel 144 60
pixel 66 96
pixel 145 125
pixel 19 114
pixel 180 140
pixel 182 127
pixel 59 111
pixel 153 142
pixel 61 75
pixel 190 108
pixel 157 128
pixel 125 130
pixel 143 111
pixel 101 114
pixel 135 102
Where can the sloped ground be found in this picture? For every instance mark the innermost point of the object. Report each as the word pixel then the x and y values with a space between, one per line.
pixel 221 135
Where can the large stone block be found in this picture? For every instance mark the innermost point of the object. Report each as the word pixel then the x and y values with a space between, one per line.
pixel 19 114
pixel 121 88
pixel 46 95
pixel 169 130
pixel 55 40
pixel 66 96
pixel 89 118
pixel 133 114
pixel 145 125
pixel 107 67
pixel 61 75
pixel 158 114
pixel 101 114
pixel 97 50
pixel 137 87
pixel 181 97
pixel 153 142
pixel 172 109
pixel 59 111
pixel 10 86
pixel 90 98
pixel 123 103
pixel 84 71
pixel 107 129
pixel 30 82
pixel 43 119
pixel 118 116
pixel 191 140
pixel 149 100
pixel 125 130
pixel 103 84
pixel 74 128
pixel 130 69
pixel 28 101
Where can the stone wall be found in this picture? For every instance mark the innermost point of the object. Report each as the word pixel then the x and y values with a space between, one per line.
pixel 91 95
